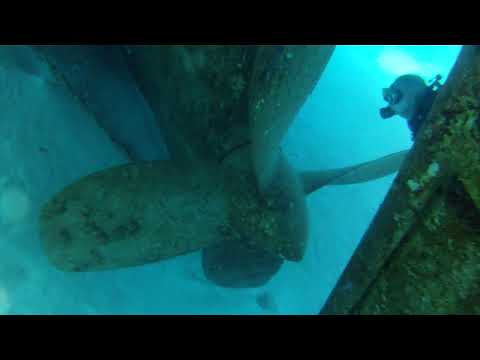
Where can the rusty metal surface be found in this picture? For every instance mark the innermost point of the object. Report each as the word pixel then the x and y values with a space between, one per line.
pixel 421 252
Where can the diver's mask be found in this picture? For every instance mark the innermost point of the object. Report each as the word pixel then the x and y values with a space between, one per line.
pixel 392 97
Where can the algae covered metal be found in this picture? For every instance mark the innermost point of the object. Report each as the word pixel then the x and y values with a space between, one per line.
pixel 229 191
pixel 421 253
pixel 223 111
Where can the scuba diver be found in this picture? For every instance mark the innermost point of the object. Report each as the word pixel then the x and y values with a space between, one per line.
pixel 411 98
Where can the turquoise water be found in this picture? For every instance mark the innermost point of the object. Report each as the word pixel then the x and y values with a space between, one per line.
pixel 338 126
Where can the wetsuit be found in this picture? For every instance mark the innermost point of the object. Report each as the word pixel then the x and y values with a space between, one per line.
pixel 417 120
